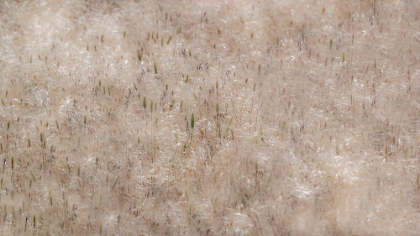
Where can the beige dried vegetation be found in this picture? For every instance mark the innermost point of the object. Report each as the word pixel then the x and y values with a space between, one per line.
pixel 210 117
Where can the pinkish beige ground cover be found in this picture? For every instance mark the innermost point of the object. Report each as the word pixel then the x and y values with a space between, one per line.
pixel 209 117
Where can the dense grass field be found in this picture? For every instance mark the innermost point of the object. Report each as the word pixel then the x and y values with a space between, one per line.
pixel 210 117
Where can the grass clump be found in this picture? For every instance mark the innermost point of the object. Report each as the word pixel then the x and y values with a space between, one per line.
pixel 296 111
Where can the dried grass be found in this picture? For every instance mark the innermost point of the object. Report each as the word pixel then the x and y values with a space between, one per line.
pixel 209 117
